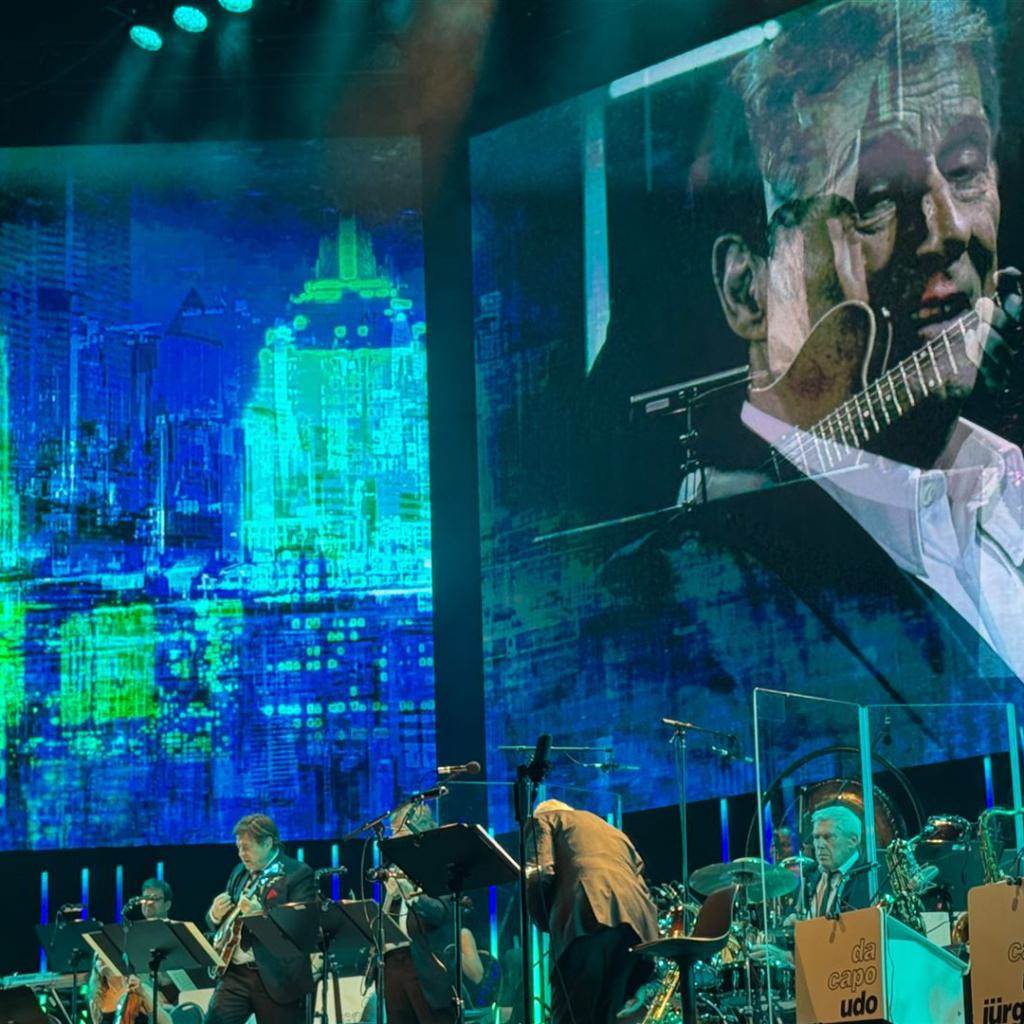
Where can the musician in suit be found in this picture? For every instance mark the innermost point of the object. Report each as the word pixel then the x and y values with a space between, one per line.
pixel 418 987
pixel 586 888
pixel 873 127
pixel 841 881
pixel 257 980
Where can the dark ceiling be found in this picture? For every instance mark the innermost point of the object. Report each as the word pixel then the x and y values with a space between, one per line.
pixel 309 67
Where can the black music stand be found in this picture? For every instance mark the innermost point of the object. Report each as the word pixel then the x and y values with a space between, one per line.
pixel 20 1006
pixel 67 952
pixel 166 945
pixel 452 859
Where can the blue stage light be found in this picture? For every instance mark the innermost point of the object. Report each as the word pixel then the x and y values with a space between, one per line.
pixel 145 37
pixel 189 18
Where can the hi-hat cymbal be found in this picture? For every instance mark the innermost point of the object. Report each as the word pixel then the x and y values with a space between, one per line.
pixel 746 872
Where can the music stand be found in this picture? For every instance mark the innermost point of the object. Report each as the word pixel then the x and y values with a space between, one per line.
pixel 20 1006
pixel 66 948
pixel 167 945
pixel 452 859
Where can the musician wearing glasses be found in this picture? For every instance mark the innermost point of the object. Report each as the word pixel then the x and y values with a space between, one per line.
pixel 255 980
pixel 156 899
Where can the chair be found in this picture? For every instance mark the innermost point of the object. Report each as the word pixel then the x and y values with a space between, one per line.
pixel 710 934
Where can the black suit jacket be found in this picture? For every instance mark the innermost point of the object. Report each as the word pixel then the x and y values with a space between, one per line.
pixel 589 876
pixel 287 980
pixel 855 892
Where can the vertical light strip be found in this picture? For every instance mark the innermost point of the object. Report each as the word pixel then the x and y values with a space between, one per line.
pixel 335 880
pixel 536 1011
pixel 595 232
pixel 118 891
pixel 990 793
pixel 723 817
pixel 492 908
pixel 85 894
pixel 44 910
pixel 160 870
pixel 300 855
pixel 648 145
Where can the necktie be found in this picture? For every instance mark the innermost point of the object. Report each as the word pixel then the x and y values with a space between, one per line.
pixel 835 881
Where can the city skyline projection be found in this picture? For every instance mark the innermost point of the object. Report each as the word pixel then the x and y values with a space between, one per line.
pixel 215 584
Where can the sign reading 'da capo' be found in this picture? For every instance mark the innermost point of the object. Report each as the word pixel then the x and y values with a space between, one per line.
pixel 995 915
pixel 838 970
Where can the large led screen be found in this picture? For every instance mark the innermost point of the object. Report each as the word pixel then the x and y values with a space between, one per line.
pixel 743 420
pixel 214 509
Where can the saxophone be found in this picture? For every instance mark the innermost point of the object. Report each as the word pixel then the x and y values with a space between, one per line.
pixel 909 881
pixel 961 933
pixel 661 1002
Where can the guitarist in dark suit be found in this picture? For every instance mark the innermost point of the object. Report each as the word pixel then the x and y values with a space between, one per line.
pixel 255 980
pixel 863 290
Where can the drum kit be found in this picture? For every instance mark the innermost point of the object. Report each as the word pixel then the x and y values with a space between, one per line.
pixel 751 981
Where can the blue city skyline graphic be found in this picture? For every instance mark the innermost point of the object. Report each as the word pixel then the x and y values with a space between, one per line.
pixel 215 584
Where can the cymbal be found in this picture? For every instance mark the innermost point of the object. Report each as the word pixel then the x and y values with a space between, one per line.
pixel 797 863
pixel 746 872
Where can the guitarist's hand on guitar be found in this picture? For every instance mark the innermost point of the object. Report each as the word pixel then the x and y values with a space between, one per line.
pixel 220 907
pixel 1006 334
pixel 249 905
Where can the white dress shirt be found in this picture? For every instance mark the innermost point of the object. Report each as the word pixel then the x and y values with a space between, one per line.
pixel 959 528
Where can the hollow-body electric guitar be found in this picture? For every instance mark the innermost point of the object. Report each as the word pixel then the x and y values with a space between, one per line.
pixel 839 389
pixel 229 931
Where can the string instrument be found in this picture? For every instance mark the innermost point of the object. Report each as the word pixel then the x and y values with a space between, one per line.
pixel 841 391
pixel 229 932
pixel 129 1006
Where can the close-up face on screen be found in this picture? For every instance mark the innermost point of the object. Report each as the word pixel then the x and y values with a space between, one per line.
pixel 747 405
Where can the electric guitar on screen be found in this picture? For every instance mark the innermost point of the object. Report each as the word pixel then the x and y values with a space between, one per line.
pixel 840 390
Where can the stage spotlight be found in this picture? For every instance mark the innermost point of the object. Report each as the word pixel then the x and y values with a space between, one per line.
pixel 236 6
pixel 146 38
pixel 191 19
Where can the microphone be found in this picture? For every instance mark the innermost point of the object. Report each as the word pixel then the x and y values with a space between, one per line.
pixel 324 872
pixel 539 765
pixel 429 794
pixel 469 768
pixel 135 901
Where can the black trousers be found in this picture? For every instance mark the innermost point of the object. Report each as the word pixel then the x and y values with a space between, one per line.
pixel 240 992
pixel 403 993
pixel 595 976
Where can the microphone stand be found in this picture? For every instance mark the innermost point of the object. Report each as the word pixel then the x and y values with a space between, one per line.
pixel 678 741
pixel 528 779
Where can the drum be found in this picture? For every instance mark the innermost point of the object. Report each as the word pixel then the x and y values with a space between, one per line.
pixel 733 969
